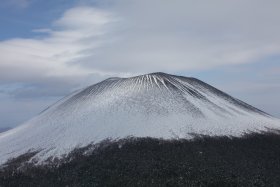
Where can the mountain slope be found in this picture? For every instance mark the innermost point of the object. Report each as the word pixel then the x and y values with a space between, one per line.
pixel 154 105
pixel 251 160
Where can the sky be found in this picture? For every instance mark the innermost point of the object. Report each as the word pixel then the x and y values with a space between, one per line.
pixel 49 49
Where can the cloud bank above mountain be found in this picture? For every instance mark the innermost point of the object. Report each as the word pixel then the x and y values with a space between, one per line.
pixel 145 36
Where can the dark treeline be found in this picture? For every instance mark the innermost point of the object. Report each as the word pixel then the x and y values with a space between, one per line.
pixel 253 160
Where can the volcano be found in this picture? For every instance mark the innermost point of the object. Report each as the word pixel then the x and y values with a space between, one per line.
pixel 156 105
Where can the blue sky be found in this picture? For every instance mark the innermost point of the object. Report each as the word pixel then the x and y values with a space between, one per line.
pixel 19 17
pixel 51 48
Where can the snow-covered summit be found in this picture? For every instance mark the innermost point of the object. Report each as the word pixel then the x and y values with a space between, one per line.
pixel 154 105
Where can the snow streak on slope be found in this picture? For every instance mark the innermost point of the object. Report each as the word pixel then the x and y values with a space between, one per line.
pixel 153 105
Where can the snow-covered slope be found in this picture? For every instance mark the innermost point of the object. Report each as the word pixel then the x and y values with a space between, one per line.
pixel 155 105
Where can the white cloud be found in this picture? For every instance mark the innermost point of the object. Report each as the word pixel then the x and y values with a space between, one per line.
pixel 30 60
pixel 186 35
pixel 145 36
